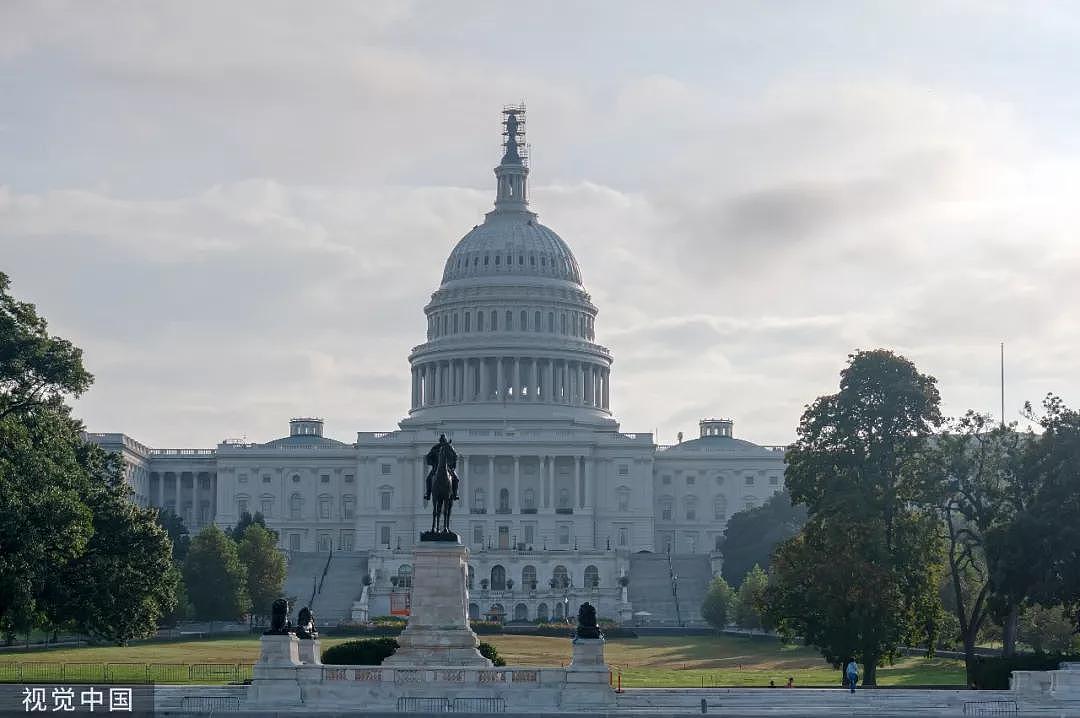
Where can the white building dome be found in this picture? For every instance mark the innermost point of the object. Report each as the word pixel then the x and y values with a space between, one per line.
pixel 511 323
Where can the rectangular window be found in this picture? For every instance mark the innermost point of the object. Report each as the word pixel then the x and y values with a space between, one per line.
pixel 564 535
pixel 665 513
pixel 243 478
pixel 665 480
pixel 624 502
pixel 749 480
pixel 478 534
pixel 384 536
pixel 346 543
pixel 689 480
pixel 294 542
pixel 386 469
pixel 267 507
pixel 325 479
pixel 347 508
pixel 691 513
pixel 266 478
pixel 624 469
pixel 467 316
pixel 624 536
pixel 530 534
pixel 324 509
pixel 241 507
pixel 384 501
pixel 348 478
pixel 774 481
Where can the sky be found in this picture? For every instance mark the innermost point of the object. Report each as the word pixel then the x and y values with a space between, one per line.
pixel 239 209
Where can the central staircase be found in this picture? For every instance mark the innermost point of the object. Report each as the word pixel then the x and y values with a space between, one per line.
pixel 335 579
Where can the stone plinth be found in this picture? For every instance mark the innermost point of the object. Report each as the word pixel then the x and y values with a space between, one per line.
pixel 438 631
pixel 587 677
pixel 274 676
pixel 310 651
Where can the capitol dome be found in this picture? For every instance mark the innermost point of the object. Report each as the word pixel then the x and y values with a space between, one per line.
pixel 511 323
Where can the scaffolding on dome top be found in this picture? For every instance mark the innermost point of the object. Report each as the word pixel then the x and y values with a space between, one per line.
pixel 518 112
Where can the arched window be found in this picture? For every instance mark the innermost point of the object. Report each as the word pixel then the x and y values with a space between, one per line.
pixel 528 499
pixel 296 506
pixel 561 577
pixel 478 500
pixel 528 578
pixel 521 612
pixel 592 577
pixel 542 612
pixel 404 574
pixel 558 611
pixel 504 501
pixel 498 578
pixel 509 321
pixel 720 508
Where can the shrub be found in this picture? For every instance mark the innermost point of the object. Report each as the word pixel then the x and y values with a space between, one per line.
pixel 365 652
pixel 992 672
pixel 489 651
pixel 486 628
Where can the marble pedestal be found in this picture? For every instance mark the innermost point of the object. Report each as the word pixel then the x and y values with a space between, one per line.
pixel 274 679
pixel 588 677
pixel 438 632
pixel 310 651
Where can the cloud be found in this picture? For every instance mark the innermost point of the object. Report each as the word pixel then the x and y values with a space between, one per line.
pixel 240 215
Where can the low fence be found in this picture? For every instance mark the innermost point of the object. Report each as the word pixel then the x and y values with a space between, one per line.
pixel 129 673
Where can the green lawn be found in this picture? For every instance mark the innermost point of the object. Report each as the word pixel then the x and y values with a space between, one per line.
pixel 647 661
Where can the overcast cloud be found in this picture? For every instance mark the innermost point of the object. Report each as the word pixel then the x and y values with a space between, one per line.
pixel 224 204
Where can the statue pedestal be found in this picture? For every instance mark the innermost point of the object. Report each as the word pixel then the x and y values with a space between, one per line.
pixel 310 651
pixel 438 632
pixel 274 676
pixel 587 677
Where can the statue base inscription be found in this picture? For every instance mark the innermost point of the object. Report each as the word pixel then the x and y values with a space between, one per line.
pixel 438 631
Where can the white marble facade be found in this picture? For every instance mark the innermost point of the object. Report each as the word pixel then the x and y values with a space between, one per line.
pixel 511 371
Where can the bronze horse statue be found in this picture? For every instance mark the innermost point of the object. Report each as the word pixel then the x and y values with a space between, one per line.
pixel 441 492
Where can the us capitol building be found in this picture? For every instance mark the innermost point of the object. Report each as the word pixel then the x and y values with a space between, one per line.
pixel 558 506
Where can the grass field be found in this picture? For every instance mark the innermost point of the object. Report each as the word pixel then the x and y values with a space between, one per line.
pixel 651 661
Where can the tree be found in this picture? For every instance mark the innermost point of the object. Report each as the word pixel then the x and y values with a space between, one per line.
pixel 747 606
pixel 1048 629
pixel 214 577
pixel 717 608
pixel 753 534
pixel 246 519
pixel 179 537
pixel 858 465
pixel 978 463
pixel 124 583
pixel 264 567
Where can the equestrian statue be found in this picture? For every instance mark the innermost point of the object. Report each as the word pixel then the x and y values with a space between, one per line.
pixel 441 487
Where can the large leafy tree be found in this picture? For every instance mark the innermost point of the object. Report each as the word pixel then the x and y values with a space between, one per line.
pixel 124 583
pixel 859 467
pixel 752 535
pixel 979 463
pixel 264 566
pixel 718 604
pixel 246 519
pixel 44 521
pixel 179 537
pixel 215 577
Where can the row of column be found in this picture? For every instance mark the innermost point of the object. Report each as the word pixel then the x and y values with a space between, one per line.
pixel 581 497
pixel 558 381
pixel 209 494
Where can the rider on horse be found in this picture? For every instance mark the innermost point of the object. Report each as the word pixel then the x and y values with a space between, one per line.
pixel 451 464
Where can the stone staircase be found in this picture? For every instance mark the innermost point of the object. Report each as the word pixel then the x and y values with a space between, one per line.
pixel 335 592
pixel 650 585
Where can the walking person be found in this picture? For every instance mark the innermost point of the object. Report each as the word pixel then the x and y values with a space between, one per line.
pixel 852 673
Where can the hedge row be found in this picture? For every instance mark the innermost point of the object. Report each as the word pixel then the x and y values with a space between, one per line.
pixel 373 651
pixel 992 672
